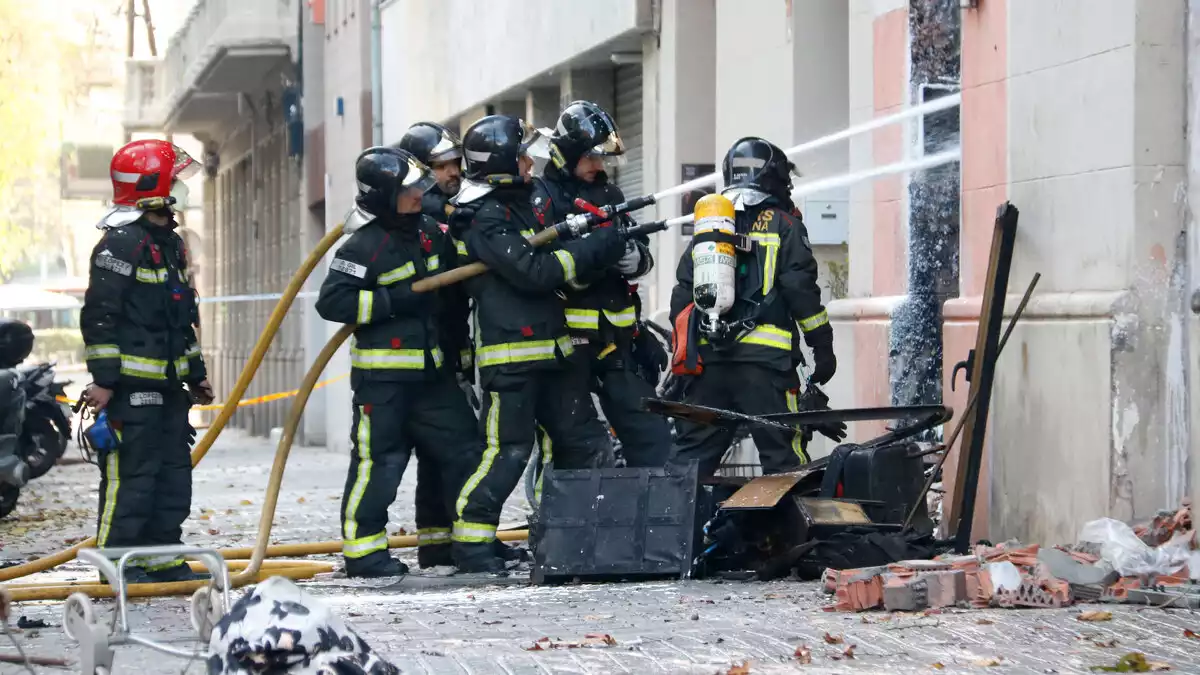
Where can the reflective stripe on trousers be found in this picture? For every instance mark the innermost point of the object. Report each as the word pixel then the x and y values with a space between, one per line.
pixel 522 352
pixel 798 438
pixel 354 546
pixel 475 533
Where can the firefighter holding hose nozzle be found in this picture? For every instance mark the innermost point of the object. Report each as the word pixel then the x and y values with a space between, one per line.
pixel 603 310
pixel 521 338
pixel 745 285
pixel 441 150
pixel 405 393
pixel 137 324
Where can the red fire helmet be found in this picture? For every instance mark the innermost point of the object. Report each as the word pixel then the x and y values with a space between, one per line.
pixel 147 168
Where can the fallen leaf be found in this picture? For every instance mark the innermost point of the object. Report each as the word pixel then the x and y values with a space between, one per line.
pixel 803 654
pixel 1105 643
pixel 229 512
pixel 213 531
pixel 537 647
pixel 984 622
pixel 301 500
pixel 833 639
pixel 246 502
pixel 986 663
pixel 203 517
pixel 1095 615
pixel 849 652
pixel 1133 662
pixel 938 666
pixel 597 617
pixel 599 639
pixel 743 669
pixel 491 623
pixel 1191 634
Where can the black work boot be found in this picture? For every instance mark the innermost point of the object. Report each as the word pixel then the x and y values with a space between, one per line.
pixel 437 555
pixel 180 572
pixel 376 564
pixel 477 558
pixel 133 575
pixel 508 553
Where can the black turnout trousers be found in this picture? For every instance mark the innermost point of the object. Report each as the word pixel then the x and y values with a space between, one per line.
pixel 645 436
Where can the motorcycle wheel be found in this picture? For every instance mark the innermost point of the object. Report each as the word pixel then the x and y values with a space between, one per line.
pixel 44 446
pixel 8 498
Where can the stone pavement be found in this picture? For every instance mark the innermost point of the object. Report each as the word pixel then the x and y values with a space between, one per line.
pixel 436 625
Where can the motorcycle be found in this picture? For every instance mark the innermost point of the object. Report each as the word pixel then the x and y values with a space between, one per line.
pixel 47 427
pixel 14 472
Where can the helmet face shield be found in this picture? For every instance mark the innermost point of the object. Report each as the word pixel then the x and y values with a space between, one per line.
pixel 180 191
pixel 445 150
pixel 185 167
pixel 611 147
pixel 418 176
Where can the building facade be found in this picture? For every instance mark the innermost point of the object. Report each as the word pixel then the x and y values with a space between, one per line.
pixel 1078 113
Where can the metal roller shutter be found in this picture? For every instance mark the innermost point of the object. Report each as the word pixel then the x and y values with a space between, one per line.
pixel 629 120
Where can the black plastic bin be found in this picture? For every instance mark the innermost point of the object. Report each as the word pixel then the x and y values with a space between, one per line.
pixel 613 524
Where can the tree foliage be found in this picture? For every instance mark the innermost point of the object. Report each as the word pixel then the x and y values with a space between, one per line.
pixel 40 78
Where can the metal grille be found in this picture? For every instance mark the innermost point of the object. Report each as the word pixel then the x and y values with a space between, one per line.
pixel 629 120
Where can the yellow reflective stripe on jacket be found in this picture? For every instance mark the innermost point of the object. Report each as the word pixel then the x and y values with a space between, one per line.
pixel 149 369
pixel 460 247
pixel 392 359
pixel 399 274
pixel 433 262
pixel 814 322
pixel 583 319
pixel 366 302
pixel 466 358
pixel 568 264
pixel 770 243
pixel 183 367
pixel 623 318
pixel 95 352
pixel 527 233
pixel 148 275
pixel 521 352
pixel 193 350
pixel 767 335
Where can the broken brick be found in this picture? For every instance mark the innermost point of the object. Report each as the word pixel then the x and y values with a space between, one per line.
pixel 905 593
pixel 859 593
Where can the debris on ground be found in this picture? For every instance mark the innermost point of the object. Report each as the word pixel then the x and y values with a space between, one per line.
pixel 1153 564
pixel 589 640
pixel 1133 662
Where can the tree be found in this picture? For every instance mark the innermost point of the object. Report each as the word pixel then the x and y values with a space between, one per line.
pixel 41 54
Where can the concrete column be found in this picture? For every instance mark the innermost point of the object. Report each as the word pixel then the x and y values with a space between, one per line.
pixel 312 194
pixel 1189 344
pixel 470 117
pixel 541 106
pixel 594 84
pixel 1084 418
pixel 678 74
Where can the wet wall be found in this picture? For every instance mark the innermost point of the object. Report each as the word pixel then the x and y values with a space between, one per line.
pixel 915 355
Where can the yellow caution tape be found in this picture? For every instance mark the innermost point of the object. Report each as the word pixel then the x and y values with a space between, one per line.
pixel 247 401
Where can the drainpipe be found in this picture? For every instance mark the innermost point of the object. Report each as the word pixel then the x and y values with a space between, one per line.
pixel 376 75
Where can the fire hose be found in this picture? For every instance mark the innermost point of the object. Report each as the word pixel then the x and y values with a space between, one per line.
pixel 256 567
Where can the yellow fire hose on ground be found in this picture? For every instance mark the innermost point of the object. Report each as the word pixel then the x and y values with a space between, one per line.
pixel 255 569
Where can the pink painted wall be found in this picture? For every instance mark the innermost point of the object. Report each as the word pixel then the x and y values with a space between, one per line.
pixel 984 186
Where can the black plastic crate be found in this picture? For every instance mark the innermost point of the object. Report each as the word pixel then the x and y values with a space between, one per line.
pixel 607 524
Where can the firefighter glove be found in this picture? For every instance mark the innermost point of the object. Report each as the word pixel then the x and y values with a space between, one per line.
pixel 631 261
pixel 610 244
pixel 824 362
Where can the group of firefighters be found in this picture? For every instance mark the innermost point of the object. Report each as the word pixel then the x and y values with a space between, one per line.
pixel 468 376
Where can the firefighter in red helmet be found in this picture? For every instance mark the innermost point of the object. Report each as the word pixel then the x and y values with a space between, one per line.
pixel 138 323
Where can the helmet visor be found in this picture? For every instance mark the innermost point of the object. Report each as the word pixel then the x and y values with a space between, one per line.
pixel 418 176
pixel 185 167
pixel 446 149
pixel 534 143
pixel 611 147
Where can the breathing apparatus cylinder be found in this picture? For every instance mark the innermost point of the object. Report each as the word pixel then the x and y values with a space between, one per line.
pixel 714 258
